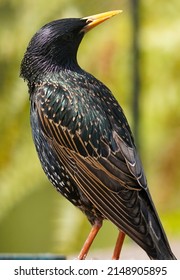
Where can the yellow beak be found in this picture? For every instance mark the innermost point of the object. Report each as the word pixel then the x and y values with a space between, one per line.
pixel 94 20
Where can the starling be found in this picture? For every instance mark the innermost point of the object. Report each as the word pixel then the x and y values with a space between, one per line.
pixel 83 139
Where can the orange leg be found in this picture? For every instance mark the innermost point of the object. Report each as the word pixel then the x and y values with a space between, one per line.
pixel 118 246
pixel 94 230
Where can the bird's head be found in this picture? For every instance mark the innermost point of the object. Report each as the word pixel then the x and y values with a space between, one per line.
pixel 55 45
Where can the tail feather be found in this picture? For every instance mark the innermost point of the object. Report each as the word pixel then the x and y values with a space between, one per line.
pixel 161 249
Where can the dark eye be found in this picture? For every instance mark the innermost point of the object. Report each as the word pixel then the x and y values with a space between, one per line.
pixel 68 36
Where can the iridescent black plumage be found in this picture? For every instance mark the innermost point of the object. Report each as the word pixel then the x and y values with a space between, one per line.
pixel 83 139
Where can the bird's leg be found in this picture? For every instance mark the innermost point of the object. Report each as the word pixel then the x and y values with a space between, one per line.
pixel 94 230
pixel 118 246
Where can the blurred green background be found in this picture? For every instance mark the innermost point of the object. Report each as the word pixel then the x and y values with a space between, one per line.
pixel 33 217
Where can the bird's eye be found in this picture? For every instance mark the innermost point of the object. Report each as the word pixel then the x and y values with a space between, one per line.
pixel 67 37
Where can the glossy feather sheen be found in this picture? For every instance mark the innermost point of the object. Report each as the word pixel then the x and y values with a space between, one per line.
pixel 83 139
pixel 86 149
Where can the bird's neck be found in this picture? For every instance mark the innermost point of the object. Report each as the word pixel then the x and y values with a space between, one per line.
pixel 35 67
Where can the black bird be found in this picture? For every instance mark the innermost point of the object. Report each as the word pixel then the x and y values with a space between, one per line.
pixel 83 139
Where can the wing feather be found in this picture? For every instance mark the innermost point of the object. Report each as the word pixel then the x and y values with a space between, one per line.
pixel 110 178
